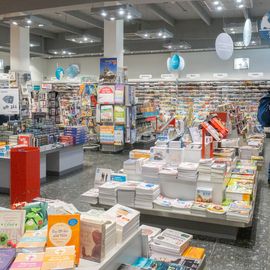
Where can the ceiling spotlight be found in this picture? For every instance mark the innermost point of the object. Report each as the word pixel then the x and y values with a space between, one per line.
pixel 241 6
pixel 14 23
pixel 145 35
pixel 219 8
pixel 160 34
pixel 29 21
pixel 253 42
pixel 238 1
pixel 103 13
pixel 55 52
pixel 232 29
pixel 164 36
pixel 27 26
pixel 112 19
pixel 216 3
pixel 233 32
pixel 64 52
pixel 129 17
pixel 121 12
pixel 170 46
pixel 69 53
pixel 91 40
pixel 74 40
pixel 80 41
pixel 41 25
pixel 85 38
pixel 32 45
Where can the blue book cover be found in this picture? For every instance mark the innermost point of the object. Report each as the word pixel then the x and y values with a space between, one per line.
pixel 7 255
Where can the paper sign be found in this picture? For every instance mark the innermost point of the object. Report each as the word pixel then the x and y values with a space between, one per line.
pixel 193 76
pixel 256 74
pixel 220 75
pixel 145 76
pixel 9 101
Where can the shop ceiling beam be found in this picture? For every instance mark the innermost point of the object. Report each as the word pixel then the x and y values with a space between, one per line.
pixel 64 26
pixel 200 11
pixel 85 18
pixel 161 14
pixel 43 33
pixel 246 12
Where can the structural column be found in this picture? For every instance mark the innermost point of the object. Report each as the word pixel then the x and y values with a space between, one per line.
pixel 114 40
pixel 19 48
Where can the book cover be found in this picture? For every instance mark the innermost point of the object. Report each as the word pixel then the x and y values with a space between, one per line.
pixel 108 70
pixel 119 94
pixel 59 258
pixel 7 255
pixel 194 253
pixel 150 231
pixel 204 195
pixel 64 230
pixel 12 224
pixel 28 261
pixel 102 176
pixel 118 177
pixel 33 240
pixel 106 113
pixel 119 135
pixel 119 115
pixel 92 239
pixel 106 94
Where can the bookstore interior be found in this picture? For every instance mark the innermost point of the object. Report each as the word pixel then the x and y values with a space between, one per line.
pixel 134 135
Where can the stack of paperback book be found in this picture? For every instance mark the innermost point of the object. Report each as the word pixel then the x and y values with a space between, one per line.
pixel 170 242
pixel 239 211
pixel 133 168
pixel 188 171
pixel 168 174
pixel 150 171
pixel 224 154
pixel 90 196
pixel 246 152
pixel 146 193
pixel 218 171
pixel 32 242
pixel 108 192
pixel 162 203
pixel 25 261
pixel 205 169
pixel 126 193
pixel 7 256
pixel 180 205
pixel 150 231
pixel 53 258
pixel 127 221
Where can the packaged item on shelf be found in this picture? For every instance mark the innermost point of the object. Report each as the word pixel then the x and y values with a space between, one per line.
pixel 127 221
pixel 7 256
pixel 64 230
pixel 25 261
pixel 62 257
pixel 32 242
pixel 216 209
pixel 12 226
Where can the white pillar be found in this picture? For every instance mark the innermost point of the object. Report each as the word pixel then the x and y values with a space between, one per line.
pixel 114 40
pixel 19 48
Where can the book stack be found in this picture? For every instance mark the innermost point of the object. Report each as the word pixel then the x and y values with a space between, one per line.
pixel 127 221
pixel 126 193
pixel 7 256
pixel 108 193
pixel 25 261
pixel 13 140
pixel 246 152
pixel 168 174
pixel 205 169
pixel 138 153
pixel 230 143
pixel 180 205
pixel 79 134
pixel 133 168
pixel 239 190
pixel 162 203
pixel 150 232
pixel 239 211
pixel 90 196
pixel 188 171
pixel 32 241
pixel 170 242
pixel 151 169
pixel 59 258
pixel 199 208
pixel 218 171
pixel 146 193
pixel 60 207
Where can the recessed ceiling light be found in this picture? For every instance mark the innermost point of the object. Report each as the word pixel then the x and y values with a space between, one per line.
pixel 253 42
pixel 69 53
pixel 74 40
pixel 112 19
pixel 55 52
pixel 103 13
pixel 164 36
pixel 27 26
pixel 129 17
pixel 14 23
pixel 170 46
pixel 238 1
pixel 32 45
pixel 85 38
pixel 41 25
pixel 216 3
pixel 233 32
pixel 80 41
pixel 64 52
pixel 121 12
pixel 219 8
pixel 91 41
pixel 232 29
pixel 160 34
pixel 29 21
pixel 241 6
pixel 145 35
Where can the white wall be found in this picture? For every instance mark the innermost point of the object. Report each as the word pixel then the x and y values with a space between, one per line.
pixel 203 63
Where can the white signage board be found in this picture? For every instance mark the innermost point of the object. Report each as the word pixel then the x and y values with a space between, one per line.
pixel 9 101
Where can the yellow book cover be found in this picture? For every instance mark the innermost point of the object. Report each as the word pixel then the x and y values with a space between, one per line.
pixel 33 239
pixel 59 258
pixel 194 253
pixel 28 261
pixel 64 230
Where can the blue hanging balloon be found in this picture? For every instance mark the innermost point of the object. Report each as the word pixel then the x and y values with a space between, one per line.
pixel 72 71
pixel 175 63
pixel 59 73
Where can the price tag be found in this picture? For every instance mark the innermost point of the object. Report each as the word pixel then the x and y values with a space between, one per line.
pixel 145 76
pixel 256 74
pixel 193 76
pixel 220 75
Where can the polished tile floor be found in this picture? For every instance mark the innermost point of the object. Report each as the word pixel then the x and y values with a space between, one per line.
pixel 251 251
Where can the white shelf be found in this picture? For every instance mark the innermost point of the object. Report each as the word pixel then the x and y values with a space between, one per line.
pixel 126 253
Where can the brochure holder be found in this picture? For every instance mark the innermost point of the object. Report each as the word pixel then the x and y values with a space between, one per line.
pixel 24 174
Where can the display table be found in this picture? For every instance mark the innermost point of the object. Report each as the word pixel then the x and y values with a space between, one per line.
pixel 56 161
